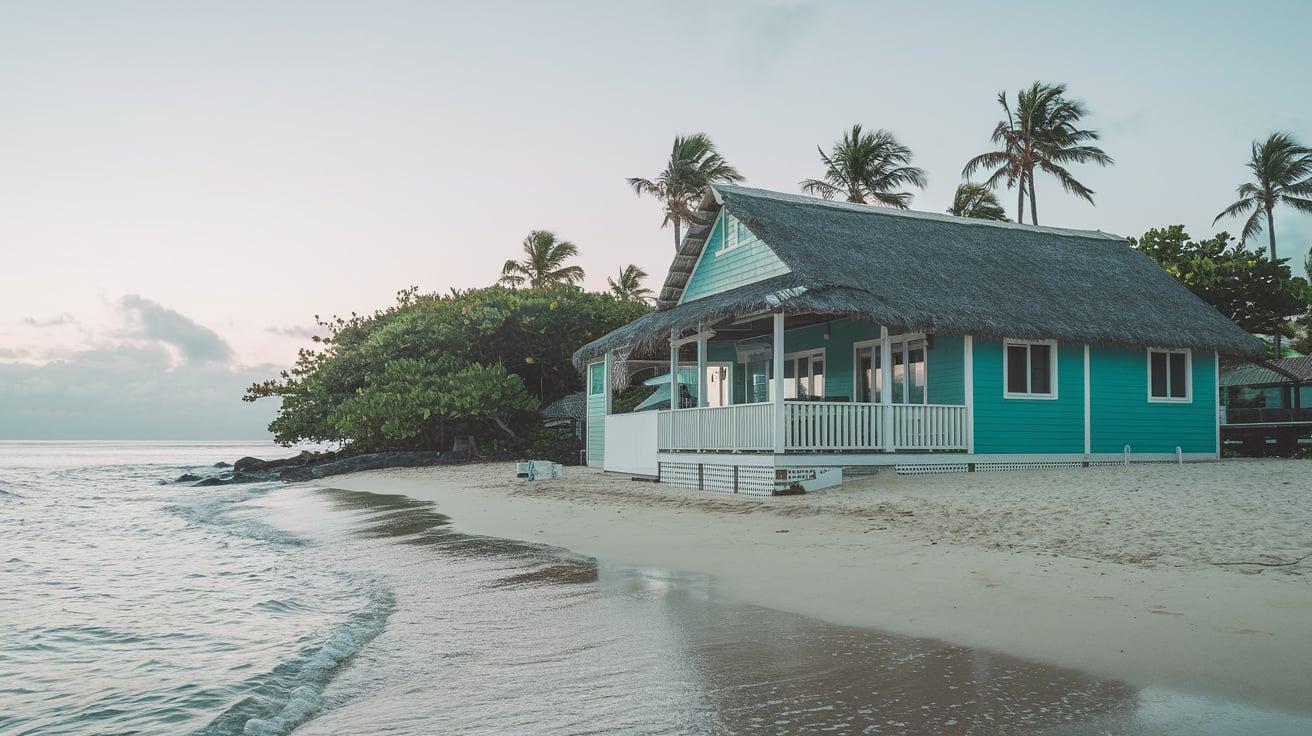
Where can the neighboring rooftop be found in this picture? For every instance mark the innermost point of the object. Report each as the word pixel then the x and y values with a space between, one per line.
pixel 1271 372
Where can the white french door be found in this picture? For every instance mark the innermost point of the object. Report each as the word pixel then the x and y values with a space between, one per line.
pixel 907 362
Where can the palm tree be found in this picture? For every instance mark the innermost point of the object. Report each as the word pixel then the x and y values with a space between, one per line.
pixel 629 284
pixel 544 262
pixel 1282 174
pixel 978 201
pixel 694 163
pixel 1039 133
pixel 867 167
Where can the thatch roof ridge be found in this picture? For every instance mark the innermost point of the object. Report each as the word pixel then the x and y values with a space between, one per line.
pixel 878 211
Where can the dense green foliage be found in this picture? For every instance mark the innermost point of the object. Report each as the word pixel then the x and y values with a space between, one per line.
pixel 1257 294
pixel 434 366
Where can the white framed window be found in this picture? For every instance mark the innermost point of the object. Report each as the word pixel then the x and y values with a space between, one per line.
pixel 1170 375
pixel 908 363
pixel 804 375
pixel 1029 369
pixel 596 378
pixel 730 237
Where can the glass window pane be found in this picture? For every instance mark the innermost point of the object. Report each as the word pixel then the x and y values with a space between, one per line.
pixel 1041 369
pixel 1017 369
pixel 818 378
pixel 596 379
pixel 1179 381
pixel 916 372
pixel 899 373
pixel 865 374
pixel 1157 369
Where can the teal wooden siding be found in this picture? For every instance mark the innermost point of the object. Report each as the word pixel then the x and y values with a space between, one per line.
pixel 945 364
pixel 718 271
pixel 1028 426
pixel 596 414
pixel 1120 413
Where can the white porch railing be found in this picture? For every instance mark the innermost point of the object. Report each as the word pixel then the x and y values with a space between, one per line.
pixel 737 427
pixel 929 427
pixel 816 425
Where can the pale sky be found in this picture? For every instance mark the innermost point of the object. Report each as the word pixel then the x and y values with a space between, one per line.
pixel 244 166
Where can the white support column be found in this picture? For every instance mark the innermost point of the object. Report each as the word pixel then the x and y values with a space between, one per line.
pixel 1088 424
pixel 777 356
pixel 674 369
pixel 701 370
pixel 607 366
pixel 968 367
pixel 886 386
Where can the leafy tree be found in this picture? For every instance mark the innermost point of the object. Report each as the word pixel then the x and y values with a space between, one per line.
pixel 867 167
pixel 1042 132
pixel 978 201
pixel 434 366
pixel 1257 294
pixel 693 165
pixel 544 262
pixel 629 284
pixel 1282 174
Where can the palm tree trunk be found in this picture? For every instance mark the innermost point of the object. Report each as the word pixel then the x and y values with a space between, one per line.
pixel 1034 207
pixel 678 239
pixel 1271 231
pixel 1020 201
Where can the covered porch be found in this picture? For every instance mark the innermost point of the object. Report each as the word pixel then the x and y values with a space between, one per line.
pixel 847 386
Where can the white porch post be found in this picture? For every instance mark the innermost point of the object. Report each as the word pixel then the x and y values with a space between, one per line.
pixel 777 353
pixel 701 369
pixel 886 386
pixel 674 369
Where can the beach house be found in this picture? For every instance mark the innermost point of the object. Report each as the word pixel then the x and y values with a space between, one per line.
pixel 826 335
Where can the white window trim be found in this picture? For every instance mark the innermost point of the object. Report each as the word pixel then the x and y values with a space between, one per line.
pixel 1052 344
pixel 602 392
pixel 811 353
pixel 892 340
pixel 1188 376
pixel 742 237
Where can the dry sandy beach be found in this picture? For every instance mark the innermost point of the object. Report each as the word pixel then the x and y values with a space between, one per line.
pixel 1122 572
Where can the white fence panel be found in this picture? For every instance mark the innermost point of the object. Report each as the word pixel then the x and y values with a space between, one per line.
pixel 631 443
pixel 929 427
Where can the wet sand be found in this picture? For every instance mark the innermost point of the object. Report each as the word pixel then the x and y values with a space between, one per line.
pixel 494 635
pixel 1197 628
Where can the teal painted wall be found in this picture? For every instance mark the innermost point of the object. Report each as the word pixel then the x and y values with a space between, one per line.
pixel 1028 425
pixel 945 364
pixel 1120 413
pixel 596 416
pixel 718 271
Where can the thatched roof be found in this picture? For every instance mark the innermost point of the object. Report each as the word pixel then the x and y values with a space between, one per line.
pixel 938 273
pixel 1276 371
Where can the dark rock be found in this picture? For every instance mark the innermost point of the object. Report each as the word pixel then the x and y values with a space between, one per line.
pixel 262 476
pixel 304 458
pixel 221 464
pixel 373 461
pixel 187 478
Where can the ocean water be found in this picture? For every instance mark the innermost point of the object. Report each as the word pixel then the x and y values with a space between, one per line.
pixel 133 604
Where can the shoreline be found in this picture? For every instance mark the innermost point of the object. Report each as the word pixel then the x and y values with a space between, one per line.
pixel 852 557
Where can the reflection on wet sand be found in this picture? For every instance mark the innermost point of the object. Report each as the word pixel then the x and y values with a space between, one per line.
pixel 530 639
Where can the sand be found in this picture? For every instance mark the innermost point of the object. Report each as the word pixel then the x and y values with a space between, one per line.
pixel 1122 572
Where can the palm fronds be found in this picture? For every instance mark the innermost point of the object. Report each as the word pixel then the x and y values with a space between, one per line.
pixel 867 167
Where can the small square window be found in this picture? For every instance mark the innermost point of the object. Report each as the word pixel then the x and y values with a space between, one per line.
pixel 1168 375
pixel 1030 369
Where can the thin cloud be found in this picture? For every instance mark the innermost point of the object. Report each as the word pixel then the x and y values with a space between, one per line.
pixel 63 318
pixel 296 331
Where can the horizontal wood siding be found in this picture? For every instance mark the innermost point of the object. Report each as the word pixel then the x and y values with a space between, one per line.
pixel 1028 425
pixel 1120 413
pixel 945 365
pixel 716 272
pixel 596 420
